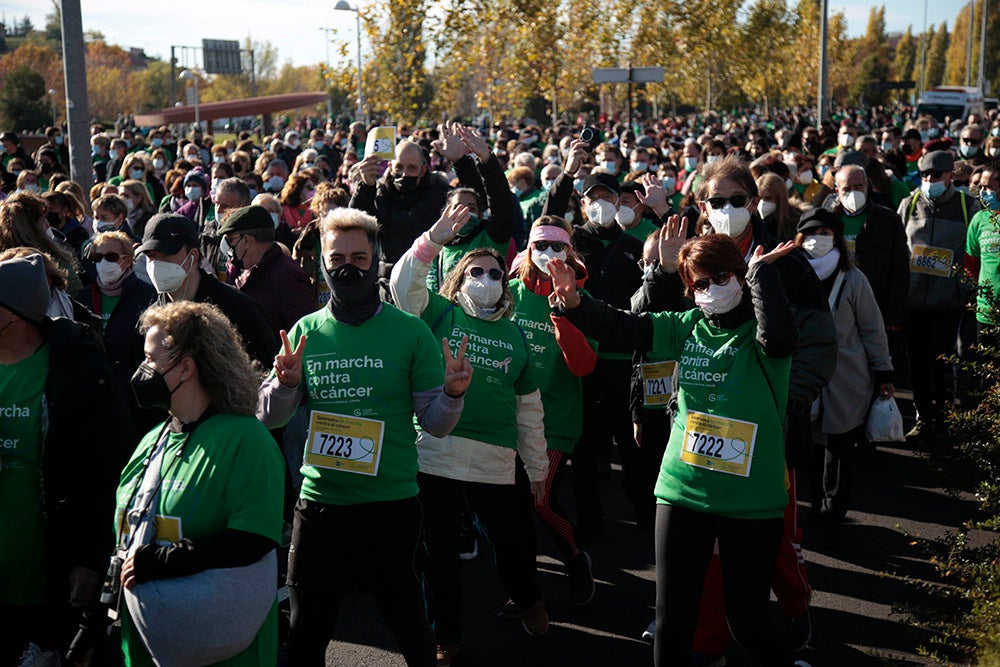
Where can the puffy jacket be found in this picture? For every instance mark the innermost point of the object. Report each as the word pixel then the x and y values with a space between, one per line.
pixel 282 289
pixel 938 225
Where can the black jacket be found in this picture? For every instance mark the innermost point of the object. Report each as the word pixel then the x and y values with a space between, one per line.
pixel 85 448
pixel 245 314
pixel 401 218
pixel 282 289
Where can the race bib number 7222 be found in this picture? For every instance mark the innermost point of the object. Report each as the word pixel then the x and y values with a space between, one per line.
pixel 719 443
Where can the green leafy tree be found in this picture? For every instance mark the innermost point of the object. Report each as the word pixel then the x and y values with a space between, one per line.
pixel 872 70
pixel 53 22
pixel 22 100
pixel 764 53
pixel 936 56
pixel 906 56
pixel 397 81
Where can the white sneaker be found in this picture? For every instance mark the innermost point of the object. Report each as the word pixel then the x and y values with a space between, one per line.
pixel 34 656
pixel 649 632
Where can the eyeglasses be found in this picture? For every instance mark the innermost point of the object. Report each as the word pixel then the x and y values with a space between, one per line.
pixel 110 256
pixel 931 173
pixel 557 246
pixel 738 201
pixel 718 279
pixel 478 271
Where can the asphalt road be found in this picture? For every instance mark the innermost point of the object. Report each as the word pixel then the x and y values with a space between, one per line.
pixel 898 496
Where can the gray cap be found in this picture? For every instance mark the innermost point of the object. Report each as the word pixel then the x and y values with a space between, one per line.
pixel 848 157
pixel 937 161
pixel 24 289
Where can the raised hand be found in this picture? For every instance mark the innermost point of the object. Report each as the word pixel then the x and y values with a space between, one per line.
pixel 474 142
pixel 370 169
pixel 448 143
pixel 563 278
pixel 672 236
pixel 452 219
pixel 655 197
pixel 578 153
pixel 457 369
pixel 288 364
pixel 780 250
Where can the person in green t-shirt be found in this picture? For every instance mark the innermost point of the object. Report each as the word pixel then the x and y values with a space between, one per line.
pixel 982 245
pixel 503 417
pixel 723 473
pixel 561 356
pixel 369 373
pixel 199 504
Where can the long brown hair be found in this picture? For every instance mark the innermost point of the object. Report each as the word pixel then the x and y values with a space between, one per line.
pixel 453 281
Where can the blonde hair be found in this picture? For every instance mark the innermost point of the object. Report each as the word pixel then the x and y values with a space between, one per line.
pixel 202 332
pixel 119 237
pixel 328 196
pixel 350 219
pixel 129 161
pixel 19 226
pixel 139 188
pixel 76 190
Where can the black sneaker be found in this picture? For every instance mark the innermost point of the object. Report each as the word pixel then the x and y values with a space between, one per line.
pixel 799 632
pixel 581 578
pixel 511 611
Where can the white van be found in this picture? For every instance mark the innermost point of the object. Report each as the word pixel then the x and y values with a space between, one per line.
pixel 952 102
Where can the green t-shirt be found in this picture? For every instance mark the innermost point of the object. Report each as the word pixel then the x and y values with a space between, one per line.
pixel 499 357
pixel 562 392
pixel 360 382
pixel 852 227
pixel 643 229
pixel 450 254
pixel 900 191
pixel 22 540
pixel 230 475
pixel 726 453
pixel 532 203
pixel 108 304
pixel 983 242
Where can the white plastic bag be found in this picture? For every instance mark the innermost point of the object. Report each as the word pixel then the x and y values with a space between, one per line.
pixel 885 423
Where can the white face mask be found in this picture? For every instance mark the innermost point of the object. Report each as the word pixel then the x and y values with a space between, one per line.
pixel 845 140
pixel 541 258
pixel 129 205
pixel 158 163
pixel 108 272
pixel 167 277
pixel 192 193
pixel 994 152
pixel 601 212
pixel 712 159
pixel 669 184
pixel 788 184
pixel 766 208
pixel 817 245
pixel 690 163
pixel 611 166
pixel 887 146
pixel 853 201
pixel 136 174
pixel 113 153
pixel 730 220
pixel 639 166
pixel 719 299
pixel 806 177
pixel 484 292
pixel 274 184
pixel 625 216
pixel 275 219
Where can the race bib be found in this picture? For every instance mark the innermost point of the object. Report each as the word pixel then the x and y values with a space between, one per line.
pixel 657 382
pixel 719 443
pixel 169 529
pixel 850 244
pixel 322 293
pixel 931 261
pixel 339 442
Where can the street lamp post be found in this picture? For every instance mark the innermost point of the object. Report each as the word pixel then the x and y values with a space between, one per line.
pixel 188 75
pixel 344 6
pixel 52 102
pixel 329 101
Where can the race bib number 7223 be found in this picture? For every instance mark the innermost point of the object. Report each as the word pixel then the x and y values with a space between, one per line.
pixel 340 442
pixel 719 443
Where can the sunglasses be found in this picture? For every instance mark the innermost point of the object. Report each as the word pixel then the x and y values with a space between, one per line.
pixel 478 271
pixel 931 173
pixel 738 201
pixel 557 246
pixel 970 142
pixel 110 256
pixel 718 279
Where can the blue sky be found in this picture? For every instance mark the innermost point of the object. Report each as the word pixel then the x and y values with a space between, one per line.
pixel 156 26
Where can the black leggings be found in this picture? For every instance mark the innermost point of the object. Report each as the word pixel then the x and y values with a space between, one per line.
pixel 496 507
pixel 748 549
pixel 337 549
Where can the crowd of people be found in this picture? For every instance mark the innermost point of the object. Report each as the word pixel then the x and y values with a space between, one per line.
pixel 227 348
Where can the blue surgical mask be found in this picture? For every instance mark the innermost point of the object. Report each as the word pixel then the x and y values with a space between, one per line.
pixel 990 199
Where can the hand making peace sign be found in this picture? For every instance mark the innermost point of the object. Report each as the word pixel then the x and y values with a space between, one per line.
pixel 457 369
pixel 288 364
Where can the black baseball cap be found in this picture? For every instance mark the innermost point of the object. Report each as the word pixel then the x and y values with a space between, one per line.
pixel 603 181
pixel 818 217
pixel 168 233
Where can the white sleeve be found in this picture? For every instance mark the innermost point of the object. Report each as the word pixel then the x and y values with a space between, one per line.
pixel 531 444
pixel 408 282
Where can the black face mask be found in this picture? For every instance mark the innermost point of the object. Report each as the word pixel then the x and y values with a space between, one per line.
pixel 353 292
pixel 150 389
pixel 54 220
pixel 406 185
pixel 46 168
